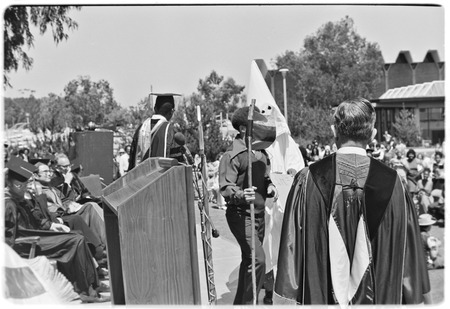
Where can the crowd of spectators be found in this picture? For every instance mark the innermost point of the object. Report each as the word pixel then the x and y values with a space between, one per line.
pixel 49 200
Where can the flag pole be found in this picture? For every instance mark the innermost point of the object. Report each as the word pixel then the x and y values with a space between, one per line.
pixel 250 185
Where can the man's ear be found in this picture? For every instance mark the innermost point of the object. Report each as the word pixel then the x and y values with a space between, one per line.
pixel 374 133
pixel 334 130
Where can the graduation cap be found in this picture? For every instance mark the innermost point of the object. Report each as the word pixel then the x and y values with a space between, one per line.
pixel 162 98
pixel 20 169
pixel 45 161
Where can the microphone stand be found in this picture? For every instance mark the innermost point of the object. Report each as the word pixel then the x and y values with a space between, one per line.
pixel 205 221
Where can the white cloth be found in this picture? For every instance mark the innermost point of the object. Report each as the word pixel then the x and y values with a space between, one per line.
pixel 284 154
pixel 123 164
pixel 145 136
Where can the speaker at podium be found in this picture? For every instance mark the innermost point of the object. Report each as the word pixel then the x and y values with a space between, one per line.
pixel 150 232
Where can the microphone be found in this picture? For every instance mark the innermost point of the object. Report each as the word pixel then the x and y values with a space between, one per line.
pixel 181 140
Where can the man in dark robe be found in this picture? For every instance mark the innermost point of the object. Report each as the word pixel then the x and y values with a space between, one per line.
pixel 155 136
pixel 24 217
pixel 76 198
pixel 350 232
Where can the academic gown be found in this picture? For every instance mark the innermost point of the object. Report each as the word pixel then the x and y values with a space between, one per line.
pixel 157 139
pixel 70 250
pixel 397 271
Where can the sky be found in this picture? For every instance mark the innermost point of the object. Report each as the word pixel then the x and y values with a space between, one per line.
pixel 169 48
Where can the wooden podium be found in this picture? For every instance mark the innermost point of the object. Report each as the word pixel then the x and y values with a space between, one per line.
pixel 150 232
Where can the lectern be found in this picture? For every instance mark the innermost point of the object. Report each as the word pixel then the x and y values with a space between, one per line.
pixel 150 233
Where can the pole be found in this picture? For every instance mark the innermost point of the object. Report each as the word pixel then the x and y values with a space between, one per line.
pixel 204 218
pixel 284 71
pixel 250 185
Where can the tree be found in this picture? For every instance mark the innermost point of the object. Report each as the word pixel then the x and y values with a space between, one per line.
pixel 406 129
pixel 90 101
pixel 214 96
pixel 223 95
pixel 335 64
pixel 17 34
pixel 55 113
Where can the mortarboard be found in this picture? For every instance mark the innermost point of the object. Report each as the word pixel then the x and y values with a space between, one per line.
pixel 45 161
pixel 20 169
pixel 162 98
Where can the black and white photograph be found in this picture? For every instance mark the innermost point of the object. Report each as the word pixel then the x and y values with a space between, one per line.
pixel 258 153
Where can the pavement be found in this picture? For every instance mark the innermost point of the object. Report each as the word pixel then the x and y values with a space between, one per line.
pixel 226 259
pixel 227 256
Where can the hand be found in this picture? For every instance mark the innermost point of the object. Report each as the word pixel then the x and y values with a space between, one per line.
pixel 73 207
pixel 60 220
pixel 57 227
pixel 249 194
pixel 68 178
pixel 272 191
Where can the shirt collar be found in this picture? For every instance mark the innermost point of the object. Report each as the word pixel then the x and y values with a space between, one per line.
pixel 159 117
pixel 355 150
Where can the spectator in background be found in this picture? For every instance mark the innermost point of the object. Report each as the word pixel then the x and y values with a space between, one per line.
pixel 309 148
pixel 123 162
pixel 427 162
pixel 24 153
pixel 412 173
pixel 378 152
pixel 424 181
pixel 397 164
pixel 387 137
pixel 315 154
pixel 437 208
pixel 438 171
pixel 431 244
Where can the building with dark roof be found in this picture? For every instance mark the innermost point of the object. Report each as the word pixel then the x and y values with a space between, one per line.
pixel 415 84
pixel 418 87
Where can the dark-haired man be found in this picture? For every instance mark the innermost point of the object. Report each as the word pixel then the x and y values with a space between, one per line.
pixel 350 233
pixel 155 136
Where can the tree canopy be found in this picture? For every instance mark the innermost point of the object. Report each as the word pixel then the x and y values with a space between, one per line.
pixel 335 64
pixel 215 95
pixel 17 33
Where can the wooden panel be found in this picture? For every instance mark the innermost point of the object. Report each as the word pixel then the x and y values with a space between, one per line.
pixel 151 239
pixel 155 242
pixel 114 256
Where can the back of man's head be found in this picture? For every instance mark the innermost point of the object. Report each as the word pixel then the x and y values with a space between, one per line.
pixel 354 120
pixel 166 110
